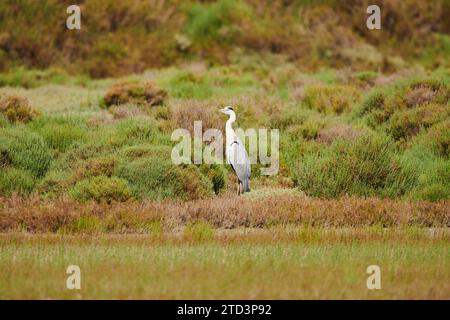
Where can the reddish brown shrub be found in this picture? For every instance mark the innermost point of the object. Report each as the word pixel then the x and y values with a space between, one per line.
pixel 136 93
pixel 184 113
pixel 419 96
pixel 339 131
pixel 16 108
pixel 38 216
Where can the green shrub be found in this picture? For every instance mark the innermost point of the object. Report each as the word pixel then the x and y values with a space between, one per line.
pixel 25 150
pixel 308 130
pixel 330 98
pixel 61 136
pixel 83 150
pixel 291 116
pixel 405 124
pixel 93 167
pixel 217 174
pixel 16 181
pixel 438 139
pixel 204 21
pixel 22 77
pixel 155 178
pixel 3 121
pixel 146 150
pixel 434 192
pixel 373 101
pixel 55 182
pixel 101 189
pixel 432 172
pixel 136 131
pixel 85 224
pixel 367 76
pixel 380 104
pixel 367 167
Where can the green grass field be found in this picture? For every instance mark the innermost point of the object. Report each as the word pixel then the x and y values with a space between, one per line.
pixel 246 264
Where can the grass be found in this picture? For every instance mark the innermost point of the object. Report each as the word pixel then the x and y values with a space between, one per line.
pixel 277 264
pixel 257 210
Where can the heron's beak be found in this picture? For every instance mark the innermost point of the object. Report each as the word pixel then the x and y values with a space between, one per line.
pixel 223 110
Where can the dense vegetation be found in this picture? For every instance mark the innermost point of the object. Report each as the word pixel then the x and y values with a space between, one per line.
pixel 122 37
pixel 361 113
pixel 391 140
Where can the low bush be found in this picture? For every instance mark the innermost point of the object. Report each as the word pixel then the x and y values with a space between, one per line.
pixel 82 151
pixel 406 124
pixel 367 167
pixel 55 183
pixel 373 101
pixel 184 113
pixel 217 174
pixel 367 76
pixel 18 181
pixel 155 178
pixel 3 121
pixel 101 189
pixel 204 21
pixel 433 174
pixel 25 150
pixel 61 136
pixel 136 131
pixel 380 104
pixel 437 139
pixel 433 192
pixel 147 151
pixel 308 130
pixel 330 98
pixel 145 93
pixel 93 167
pixel 16 108
pixel 22 77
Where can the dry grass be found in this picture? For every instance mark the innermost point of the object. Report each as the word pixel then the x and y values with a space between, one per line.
pixel 35 215
pixel 184 113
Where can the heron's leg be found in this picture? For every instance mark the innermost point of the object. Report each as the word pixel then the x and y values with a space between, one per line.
pixel 238 188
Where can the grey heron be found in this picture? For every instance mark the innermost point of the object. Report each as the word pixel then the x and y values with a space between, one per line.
pixel 236 154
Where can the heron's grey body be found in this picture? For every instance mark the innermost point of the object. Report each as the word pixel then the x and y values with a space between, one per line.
pixel 236 154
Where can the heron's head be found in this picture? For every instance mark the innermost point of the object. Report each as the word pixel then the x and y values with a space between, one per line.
pixel 228 110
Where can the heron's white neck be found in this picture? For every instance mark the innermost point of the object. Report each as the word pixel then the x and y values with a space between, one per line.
pixel 230 135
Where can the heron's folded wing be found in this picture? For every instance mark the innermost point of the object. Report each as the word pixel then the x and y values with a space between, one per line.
pixel 237 156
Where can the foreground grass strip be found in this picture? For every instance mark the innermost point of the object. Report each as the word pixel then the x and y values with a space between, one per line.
pixel 324 264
